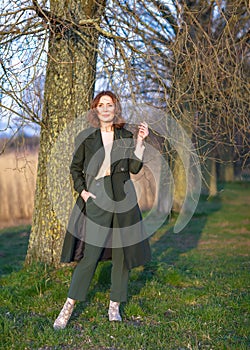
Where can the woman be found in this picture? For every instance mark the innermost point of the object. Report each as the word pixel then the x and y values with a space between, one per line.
pixel 106 221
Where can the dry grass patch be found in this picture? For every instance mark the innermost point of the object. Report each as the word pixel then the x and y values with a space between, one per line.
pixel 17 187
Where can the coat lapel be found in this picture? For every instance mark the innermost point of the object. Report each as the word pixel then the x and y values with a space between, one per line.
pixel 95 151
pixel 119 148
pixel 94 140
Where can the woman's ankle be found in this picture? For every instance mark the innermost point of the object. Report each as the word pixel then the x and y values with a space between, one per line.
pixel 71 301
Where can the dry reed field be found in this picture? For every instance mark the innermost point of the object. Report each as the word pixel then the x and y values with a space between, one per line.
pixel 17 187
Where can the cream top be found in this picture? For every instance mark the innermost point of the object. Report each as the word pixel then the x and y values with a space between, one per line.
pixel 107 139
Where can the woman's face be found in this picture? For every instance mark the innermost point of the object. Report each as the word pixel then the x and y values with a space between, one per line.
pixel 105 109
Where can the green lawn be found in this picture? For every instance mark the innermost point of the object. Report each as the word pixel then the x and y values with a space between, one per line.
pixel 193 295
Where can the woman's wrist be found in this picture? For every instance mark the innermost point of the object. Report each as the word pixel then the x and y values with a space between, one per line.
pixel 139 140
pixel 139 148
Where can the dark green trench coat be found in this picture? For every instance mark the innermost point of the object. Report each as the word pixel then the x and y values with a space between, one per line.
pixel 87 159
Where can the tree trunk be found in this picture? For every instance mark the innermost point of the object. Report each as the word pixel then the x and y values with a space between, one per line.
pixel 69 87
pixel 165 189
pixel 227 166
pixel 213 179
pixel 229 172
pixel 186 82
pixel 179 183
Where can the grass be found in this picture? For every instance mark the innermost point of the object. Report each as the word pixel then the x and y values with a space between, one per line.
pixel 193 295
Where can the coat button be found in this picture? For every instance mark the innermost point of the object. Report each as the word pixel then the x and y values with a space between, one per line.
pixel 122 169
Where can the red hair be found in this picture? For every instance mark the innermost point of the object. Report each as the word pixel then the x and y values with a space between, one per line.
pixel 118 121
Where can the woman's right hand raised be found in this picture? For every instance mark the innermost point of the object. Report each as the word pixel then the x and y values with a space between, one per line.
pixel 85 195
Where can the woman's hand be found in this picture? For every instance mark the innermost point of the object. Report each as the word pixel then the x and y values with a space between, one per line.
pixel 143 131
pixel 85 195
pixel 142 134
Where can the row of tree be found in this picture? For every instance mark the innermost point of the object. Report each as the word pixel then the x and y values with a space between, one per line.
pixel 188 59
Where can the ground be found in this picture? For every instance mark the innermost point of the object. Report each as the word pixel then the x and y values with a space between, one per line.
pixel 194 294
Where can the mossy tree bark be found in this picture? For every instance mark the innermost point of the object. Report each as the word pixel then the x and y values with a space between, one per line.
pixel 69 86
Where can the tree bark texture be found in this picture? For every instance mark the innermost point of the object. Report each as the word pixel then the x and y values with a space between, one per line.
pixel 69 87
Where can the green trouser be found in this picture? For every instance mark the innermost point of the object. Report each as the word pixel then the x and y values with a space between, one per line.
pixel 85 269
pixel 100 220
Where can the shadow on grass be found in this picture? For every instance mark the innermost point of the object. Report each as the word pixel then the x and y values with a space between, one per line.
pixel 13 248
pixel 166 247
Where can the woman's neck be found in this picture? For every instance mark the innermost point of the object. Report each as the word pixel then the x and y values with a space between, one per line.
pixel 107 127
